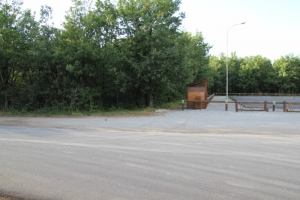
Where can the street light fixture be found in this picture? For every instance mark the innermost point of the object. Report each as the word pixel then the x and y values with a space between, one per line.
pixel 226 108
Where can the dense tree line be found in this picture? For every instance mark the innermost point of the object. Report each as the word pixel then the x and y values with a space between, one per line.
pixel 126 54
pixel 130 53
pixel 255 74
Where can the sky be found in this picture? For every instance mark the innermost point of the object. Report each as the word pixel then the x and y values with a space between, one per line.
pixel 271 29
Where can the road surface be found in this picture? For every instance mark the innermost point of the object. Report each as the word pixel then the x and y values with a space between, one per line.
pixel 167 156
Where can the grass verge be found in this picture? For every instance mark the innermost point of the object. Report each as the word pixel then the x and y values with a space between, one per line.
pixel 54 112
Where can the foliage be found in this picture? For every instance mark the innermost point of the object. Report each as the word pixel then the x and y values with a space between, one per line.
pixel 255 74
pixel 288 72
pixel 118 55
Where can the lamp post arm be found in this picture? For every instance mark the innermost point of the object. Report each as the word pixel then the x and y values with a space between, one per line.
pixel 229 30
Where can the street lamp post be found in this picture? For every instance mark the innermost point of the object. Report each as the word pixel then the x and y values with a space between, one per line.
pixel 226 102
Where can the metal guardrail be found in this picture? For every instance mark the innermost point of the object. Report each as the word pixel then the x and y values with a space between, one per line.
pixel 201 101
pixel 211 97
pixel 252 106
pixel 263 105
pixel 259 94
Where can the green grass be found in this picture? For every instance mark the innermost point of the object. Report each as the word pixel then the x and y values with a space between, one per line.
pixel 66 112
pixel 57 113
pixel 170 105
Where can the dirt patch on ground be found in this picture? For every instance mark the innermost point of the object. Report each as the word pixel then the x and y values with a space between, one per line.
pixel 14 123
pixel 4 196
pixel 13 198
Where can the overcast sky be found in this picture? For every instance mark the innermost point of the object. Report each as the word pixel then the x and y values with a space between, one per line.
pixel 272 27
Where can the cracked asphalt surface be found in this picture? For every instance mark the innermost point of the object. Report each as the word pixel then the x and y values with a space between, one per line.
pixel 191 154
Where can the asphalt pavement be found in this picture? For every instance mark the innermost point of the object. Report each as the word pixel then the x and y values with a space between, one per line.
pixel 191 154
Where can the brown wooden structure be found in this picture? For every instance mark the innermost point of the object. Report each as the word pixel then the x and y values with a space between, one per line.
pixel 197 91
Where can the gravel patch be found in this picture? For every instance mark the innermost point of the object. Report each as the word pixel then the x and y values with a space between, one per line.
pixel 214 119
pixel 161 110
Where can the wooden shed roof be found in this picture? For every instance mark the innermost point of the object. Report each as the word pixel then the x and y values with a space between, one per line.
pixel 197 82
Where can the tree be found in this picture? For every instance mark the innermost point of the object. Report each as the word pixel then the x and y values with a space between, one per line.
pixel 151 29
pixel 17 34
pixel 218 71
pixel 288 71
pixel 128 54
pixel 256 74
pixel 43 73
pixel 248 76
pixel 234 64
pixel 267 82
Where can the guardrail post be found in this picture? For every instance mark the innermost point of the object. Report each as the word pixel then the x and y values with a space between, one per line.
pixel 265 106
pixel 274 102
pixel 226 105
pixel 236 107
pixel 284 106
pixel 182 102
pixel 201 103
